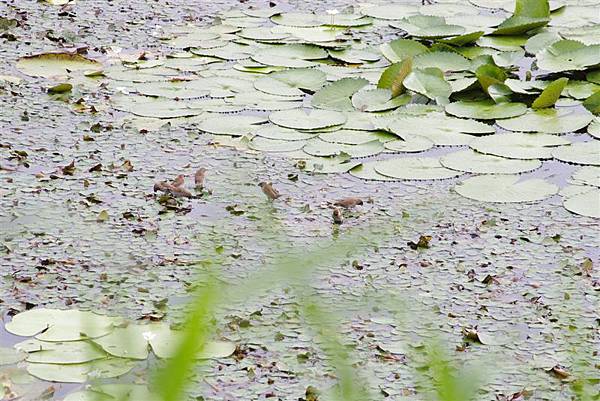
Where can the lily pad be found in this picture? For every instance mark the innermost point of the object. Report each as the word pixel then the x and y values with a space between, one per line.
pixel 587 175
pixel 336 96
pixel 274 145
pixel 401 49
pixel 60 352
pixel 112 392
pixel 585 203
pixel 567 55
pixel 366 171
pixel 549 121
pixel 81 372
pixel 579 153
pixel 314 119
pixel 478 163
pixel 429 82
pixel 290 82
pixel 375 100
pixel 232 125
pixel 409 144
pixel 318 147
pixel 428 26
pixel 9 356
pixel 485 109
pixel 55 64
pixel 505 189
pixel 550 94
pixel 518 145
pixel 415 168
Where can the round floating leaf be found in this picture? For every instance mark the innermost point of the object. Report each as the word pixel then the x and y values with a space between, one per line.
pixel 592 103
pixel 286 134
pixel 587 175
pixel 415 168
pixel 518 145
pixel 297 19
pixel 173 89
pixel 485 109
pixel 232 125
pixel 549 121
pixel 354 56
pixel 427 26
pixel 314 119
pixel 129 342
pixel 443 60
pixel 410 143
pixel 60 352
pixel 594 128
pixel 55 64
pixel 478 163
pixel 60 325
pixel 354 137
pixel 113 392
pixel 318 147
pixel 81 372
pixel 366 171
pixel 429 82
pixel 289 82
pixel 9 356
pixel 579 153
pixel 505 189
pixel 391 11
pixel 373 100
pixel 165 344
pixel 551 94
pixel 585 203
pixel 274 145
pixel 291 55
pixel 262 34
pixel 566 55
pixel 401 49
pixel 393 77
pixel 336 96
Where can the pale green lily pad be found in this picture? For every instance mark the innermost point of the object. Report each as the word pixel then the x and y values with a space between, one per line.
pixel 289 82
pixel 354 56
pixel 366 171
pixel 300 119
pixel 585 203
pixel 427 26
pixel 81 372
pixel 318 147
pixel 291 55
pixel 485 109
pixel 579 153
pixel 55 64
pixel 274 145
pixel 415 168
pixel 567 55
pixel 549 121
pixel 587 175
pixel 297 19
pixel 60 325
pixel 114 392
pixel 505 189
pixel 375 100
pixel 429 82
pixel 479 163
pixel 286 134
pixel 503 43
pixel 262 34
pixel 400 49
pixel 9 356
pixel 336 96
pixel 518 145
pixel 391 11
pixel 528 15
pixel 231 125
pixel 128 342
pixel 445 61
pixel 173 90
pixel 540 41
pixel 60 352
pixel 355 137
pixel 594 128
pixel 410 144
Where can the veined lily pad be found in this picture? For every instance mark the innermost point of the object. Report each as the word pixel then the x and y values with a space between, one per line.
pixel 415 168
pixel 579 153
pixel 60 352
pixel 81 372
pixel 549 121
pixel 485 110
pixel 400 49
pixel 61 325
pixel 584 203
pixel 587 175
pixel 354 137
pixel 299 119
pixel 410 143
pixel 373 100
pixel 286 134
pixel 550 94
pixel 55 64
pixel 274 145
pixel 113 392
pixel 594 128
pixel 505 189
pixel 318 147
pixel 478 163
pixel 429 82
pixel 336 96
pixel 366 171
pixel 566 55
pixel 528 15
pixel 443 60
pixel 289 82
pixel 231 125
pixel 518 145
pixel 427 26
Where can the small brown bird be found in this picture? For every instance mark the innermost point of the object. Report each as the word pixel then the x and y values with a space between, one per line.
pixel 176 192
pixel 268 190
pixel 348 203
pixel 199 178
pixel 338 218
pixel 161 186
pixel 179 181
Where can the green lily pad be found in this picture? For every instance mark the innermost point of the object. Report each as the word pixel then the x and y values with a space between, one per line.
pixel 366 171
pixel 290 82
pixel 528 15
pixel 401 49
pixel 587 175
pixel 336 96
pixel 60 325
pixel 445 61
pixel 391 11
pixel 409 144
pixel 55 64
pixel 274 145
pixel 415 168
pixel 478 163
pixel 505 189
pixel 579 153
pixel 549 121
pixel 567 55
pixel 429 82
pixel 594 128
pixel 592 103
pixel 355 137
pixel 314 119
pixel 231 125
pixel 550 94
pixel 9 356
pixel 485 109
pixel 81 372
pixel 286 134
pixel 318 147
pixel 375 100
pixel 393 77
pixel 518 145
pixel 60 352
pixel 584 203
pixel 113 392
pixel 427 26
pixel 291 55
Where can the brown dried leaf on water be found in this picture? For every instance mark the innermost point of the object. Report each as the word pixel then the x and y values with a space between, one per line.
pixel 560 372
pixel 60 88
pixel 69 169
pixel 422 243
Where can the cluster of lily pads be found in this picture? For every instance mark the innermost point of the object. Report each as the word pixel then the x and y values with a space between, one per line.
pixel 507 82
pixel 76 346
